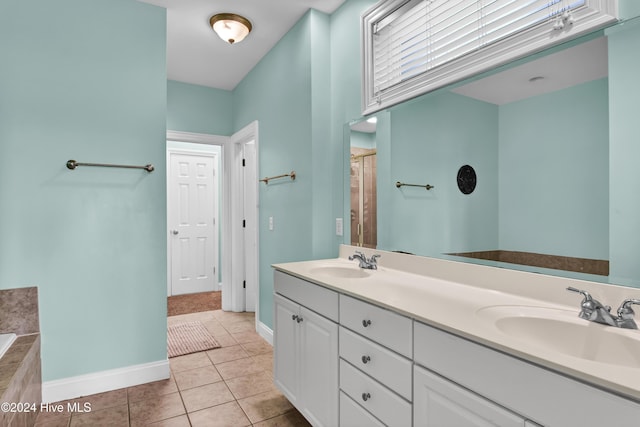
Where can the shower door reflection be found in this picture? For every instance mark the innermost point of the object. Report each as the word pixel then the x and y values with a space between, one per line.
pixel 363 197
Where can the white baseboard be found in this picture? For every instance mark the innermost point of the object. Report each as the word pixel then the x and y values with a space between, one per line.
pixel 100 382
pixel 265 332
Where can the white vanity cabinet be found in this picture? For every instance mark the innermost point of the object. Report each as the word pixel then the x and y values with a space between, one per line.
pixel 487 384
pixel 347 361
pixel 306 348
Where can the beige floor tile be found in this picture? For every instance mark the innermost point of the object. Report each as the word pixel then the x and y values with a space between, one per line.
pixel 181 421
pixel 197 377
pixel 227 354
pixel 189 361
pixel 290 419
pixel 264 406
pixel 202 316
pixel 48 419
pixel 156 409
pixel 249 385
pixel 115 416
pixel 197 385
pixel 225 340
pixel 237 368
pixel 264 361
pixel 232 316
pixel 102 400
pixel 246 336
pixel 153 389
pixel 241 326
pixel 225 415
pixel 206 396
pixel 257 347
pixel 214 327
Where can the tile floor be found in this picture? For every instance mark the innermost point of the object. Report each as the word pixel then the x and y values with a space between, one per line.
pixel 229 386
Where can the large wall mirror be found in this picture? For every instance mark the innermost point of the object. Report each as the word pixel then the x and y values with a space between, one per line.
pixel 537 135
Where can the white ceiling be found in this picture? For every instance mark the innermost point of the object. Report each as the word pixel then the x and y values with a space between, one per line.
pixel 560 70
pixel 195 54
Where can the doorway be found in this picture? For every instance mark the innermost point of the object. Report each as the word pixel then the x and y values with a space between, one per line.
pixel 237 226
pixel 363 177
pixel 193 217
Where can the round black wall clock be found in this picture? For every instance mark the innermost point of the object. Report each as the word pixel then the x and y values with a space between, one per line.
pixel 467 179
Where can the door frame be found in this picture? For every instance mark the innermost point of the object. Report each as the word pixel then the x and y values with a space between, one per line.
pixel 248 269
pixel 205 139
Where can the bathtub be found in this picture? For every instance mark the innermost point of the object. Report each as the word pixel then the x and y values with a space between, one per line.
pixel 5 342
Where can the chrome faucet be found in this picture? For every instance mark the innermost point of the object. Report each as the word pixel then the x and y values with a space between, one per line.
pixel 370 264
pixel 594 311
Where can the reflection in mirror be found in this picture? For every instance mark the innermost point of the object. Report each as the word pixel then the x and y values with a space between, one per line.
pixel 537 135
pixel 363 183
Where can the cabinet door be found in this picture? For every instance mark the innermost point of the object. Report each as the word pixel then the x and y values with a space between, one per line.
pixel 319 368
pixel 285 345
pixel 440 403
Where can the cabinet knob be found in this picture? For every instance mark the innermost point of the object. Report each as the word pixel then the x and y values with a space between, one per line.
pixel 366 359
pixel 366 396
pixel 299 319
pixel 366 323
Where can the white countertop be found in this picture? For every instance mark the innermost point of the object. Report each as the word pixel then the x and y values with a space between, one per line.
pixel 454 296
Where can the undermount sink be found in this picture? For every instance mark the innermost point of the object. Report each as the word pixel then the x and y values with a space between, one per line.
pixel 564 332
pixel 345 272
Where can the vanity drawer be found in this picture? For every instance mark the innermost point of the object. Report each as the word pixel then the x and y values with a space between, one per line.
pixel 391 369
pixel 384 404
pixel 354 415
pixel 315 297
pixel 378 324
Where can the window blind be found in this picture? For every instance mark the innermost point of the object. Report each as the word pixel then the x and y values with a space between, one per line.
pixel 422 35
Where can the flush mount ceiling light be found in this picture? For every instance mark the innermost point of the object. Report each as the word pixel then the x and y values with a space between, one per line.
pixel 230 27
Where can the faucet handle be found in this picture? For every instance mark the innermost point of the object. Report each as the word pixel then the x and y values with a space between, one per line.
pixel 374 257
pixel 585 294
pixel 625 311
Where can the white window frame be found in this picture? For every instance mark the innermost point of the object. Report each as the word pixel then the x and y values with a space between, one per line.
pixel 594 14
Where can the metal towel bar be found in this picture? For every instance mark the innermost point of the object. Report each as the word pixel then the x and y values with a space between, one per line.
pixel 400 184
pixel 269 178
pixel 72 164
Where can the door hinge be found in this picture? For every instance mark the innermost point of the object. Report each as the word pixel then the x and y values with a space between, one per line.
pixel 244 223
pixel 214 270
pixel 244 284
pixel 243 163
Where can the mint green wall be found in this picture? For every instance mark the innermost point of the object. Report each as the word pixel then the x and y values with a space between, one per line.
pixel 628 9
pixel 85 80
pixel 345 101
pixel 199 109
pixel 624 200
pixel 554 173
pixel 530 156
pixel 279 93
pixel 431 138
pixel 363 139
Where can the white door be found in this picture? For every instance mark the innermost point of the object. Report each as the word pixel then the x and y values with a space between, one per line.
pixel 319 368
pixel 286 333
pixel 251 224
pixel 192 219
